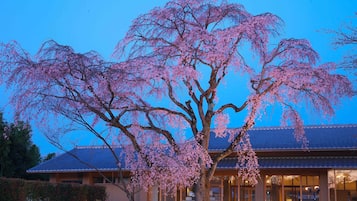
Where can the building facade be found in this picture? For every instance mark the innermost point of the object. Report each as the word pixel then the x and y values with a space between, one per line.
pixel 325 170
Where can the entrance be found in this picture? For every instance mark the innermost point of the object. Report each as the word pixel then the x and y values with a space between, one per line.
pixel 241 191
pixel 292 188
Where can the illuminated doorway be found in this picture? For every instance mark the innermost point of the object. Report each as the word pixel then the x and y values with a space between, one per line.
pixel 292 188
pixel 241 190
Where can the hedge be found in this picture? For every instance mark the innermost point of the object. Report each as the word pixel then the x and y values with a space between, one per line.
pixel 23 190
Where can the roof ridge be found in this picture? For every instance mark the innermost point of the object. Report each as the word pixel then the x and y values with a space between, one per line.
pixel 96 146
pixel 291 157
pixel 304 157
pixel 305 127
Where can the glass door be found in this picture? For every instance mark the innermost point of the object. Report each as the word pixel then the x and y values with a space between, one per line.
pixel 292 188
pixel 234 193
pixel 241 191
pixel 273 186
pixel 247 193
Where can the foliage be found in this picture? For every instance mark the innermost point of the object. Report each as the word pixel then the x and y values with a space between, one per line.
pixel 18 190
pixel 161 99
pixel 49 157
pixel 17 153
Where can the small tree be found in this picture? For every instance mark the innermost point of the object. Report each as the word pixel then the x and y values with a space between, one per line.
pixel 162 100
pixel 17 153
pixel 49 157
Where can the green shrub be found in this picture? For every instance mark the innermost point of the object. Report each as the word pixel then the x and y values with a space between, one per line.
pixel 10 190
pixel 22 190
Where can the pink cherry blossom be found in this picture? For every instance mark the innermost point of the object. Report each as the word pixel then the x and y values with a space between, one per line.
pixel 161 95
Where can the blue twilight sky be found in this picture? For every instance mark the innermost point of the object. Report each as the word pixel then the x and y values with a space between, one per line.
pixel 98 25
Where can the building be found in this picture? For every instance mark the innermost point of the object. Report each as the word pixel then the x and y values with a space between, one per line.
pixel 326 171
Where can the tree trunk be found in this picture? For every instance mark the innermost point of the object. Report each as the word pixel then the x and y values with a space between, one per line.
pixel 130 196
pixel 201 188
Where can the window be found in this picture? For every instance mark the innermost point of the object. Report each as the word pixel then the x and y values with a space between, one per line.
pixel 342 185
pixel 98 180
pixel 216 189
pixel 292 188
pixel 72 181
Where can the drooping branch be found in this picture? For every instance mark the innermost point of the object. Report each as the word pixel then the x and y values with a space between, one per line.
pixel 231 148
pixel 186 46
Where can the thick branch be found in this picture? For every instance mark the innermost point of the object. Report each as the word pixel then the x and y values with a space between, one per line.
pixel 232 106
pixel 230 149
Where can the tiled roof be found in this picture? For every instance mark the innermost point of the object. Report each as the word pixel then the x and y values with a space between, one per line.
pixel 334 137
pixel 80 159
pixel 329 138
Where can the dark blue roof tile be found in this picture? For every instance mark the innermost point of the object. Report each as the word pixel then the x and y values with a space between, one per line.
pixel 333 137
pixel 342 137
pixel 81 159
